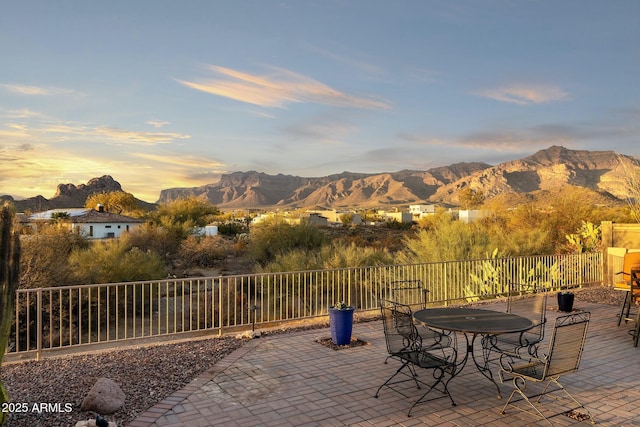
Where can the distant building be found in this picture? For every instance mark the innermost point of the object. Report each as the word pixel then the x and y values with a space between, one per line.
pixel 401 217
pixel 468 216
pixel 334 217
pixel 314 219
pixel 91 223
pixel 208 230
pixel 419 211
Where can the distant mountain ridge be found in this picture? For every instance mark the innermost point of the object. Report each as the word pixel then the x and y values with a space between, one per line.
pixel 552 168
pixel 549 169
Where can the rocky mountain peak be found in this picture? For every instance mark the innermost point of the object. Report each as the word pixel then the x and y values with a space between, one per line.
pixel 104 184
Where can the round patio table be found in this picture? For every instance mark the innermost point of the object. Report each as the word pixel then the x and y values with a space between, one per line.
pixel 473 322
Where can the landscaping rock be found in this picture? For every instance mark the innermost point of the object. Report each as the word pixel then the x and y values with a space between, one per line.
pixel 92 423
pixel 105 397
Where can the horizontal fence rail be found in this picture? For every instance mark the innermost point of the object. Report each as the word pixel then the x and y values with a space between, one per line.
pixel 69 316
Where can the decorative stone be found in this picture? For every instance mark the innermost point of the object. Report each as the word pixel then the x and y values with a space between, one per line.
pixel 92 423
pixel 105 397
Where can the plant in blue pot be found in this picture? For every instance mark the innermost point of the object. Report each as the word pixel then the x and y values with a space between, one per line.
pixel 341 323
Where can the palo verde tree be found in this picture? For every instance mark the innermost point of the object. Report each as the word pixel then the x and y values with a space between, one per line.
pixel 470 199
pixel 9 276
pixel 181 216
pixel 118 202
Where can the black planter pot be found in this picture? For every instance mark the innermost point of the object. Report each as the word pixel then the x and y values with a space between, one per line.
pixel 565 301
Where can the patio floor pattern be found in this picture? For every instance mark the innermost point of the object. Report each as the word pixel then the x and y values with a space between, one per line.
pixel 292 380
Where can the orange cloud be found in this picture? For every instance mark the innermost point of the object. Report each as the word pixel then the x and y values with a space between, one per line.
pixel 522 94
pixel 278 89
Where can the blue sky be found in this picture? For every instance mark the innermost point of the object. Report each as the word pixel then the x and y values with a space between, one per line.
pixel 162 94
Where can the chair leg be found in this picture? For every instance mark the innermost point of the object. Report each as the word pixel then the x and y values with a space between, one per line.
pixel 626 305
pixel 636 330
pixel 519 389
pixel 398 371
pixel 445 391
pixel 569 395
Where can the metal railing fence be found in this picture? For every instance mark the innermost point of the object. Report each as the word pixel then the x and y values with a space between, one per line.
pixel 54 318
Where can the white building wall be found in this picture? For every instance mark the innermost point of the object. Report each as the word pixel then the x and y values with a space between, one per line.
pixel 103 230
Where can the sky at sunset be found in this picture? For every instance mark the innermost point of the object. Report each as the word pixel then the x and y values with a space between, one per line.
pixel 162 94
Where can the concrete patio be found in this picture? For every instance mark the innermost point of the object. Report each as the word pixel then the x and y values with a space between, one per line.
pixel 292 380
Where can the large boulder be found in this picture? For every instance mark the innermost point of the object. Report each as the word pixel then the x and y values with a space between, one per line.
pixel 105 397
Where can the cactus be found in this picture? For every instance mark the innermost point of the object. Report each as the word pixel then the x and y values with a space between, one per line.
pixel 9 271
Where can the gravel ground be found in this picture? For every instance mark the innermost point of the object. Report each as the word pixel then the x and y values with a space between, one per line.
pixel 146 375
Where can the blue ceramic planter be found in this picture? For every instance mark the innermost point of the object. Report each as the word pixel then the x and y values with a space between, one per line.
pixel 341 322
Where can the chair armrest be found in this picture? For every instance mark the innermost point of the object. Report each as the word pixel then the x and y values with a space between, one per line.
pixel 509 362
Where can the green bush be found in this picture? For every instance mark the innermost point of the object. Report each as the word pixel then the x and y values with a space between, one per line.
pixel 232 228
pixel 150 237
pixel 270 240
pixel 205 251
pixel 44 260
pixel 114 261
pixel 335 255
pixel 446 239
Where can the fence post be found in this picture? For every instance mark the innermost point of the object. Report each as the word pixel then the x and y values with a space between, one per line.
pixel 220 317
pixel 39 324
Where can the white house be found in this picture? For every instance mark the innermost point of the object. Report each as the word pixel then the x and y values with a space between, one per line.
pixel 91 223
pixel 420 211
pixel 468 216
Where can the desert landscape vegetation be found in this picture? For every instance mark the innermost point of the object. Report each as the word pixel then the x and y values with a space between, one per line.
pixel 559 219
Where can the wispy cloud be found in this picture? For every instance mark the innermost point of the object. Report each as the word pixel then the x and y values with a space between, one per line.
pixel 64 130
pixel 277 89
pixel 157 123
pixel 35 90
pixel 523 94
pixel 181 160
pixel 349 61
pixel 510 139
pixel 325 128
pixel 23 113
pixel 186 170
pixel 140 137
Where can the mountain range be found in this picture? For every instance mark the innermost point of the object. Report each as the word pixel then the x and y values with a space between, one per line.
pixel 605 173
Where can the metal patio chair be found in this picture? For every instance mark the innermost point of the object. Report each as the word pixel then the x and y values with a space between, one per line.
pixel 531 306
pixel 404 344
pixel 563 358
pixel 412 293
pixel 631 262
pixel 634 299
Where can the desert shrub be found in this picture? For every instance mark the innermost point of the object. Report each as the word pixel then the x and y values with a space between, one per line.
pixel 181 216
pixel 44 258
pixel 335 255
pixel 205 251
pixel 446 239
pixel 268 241
pixel 114 261
pixel 150 237
pixel 232 228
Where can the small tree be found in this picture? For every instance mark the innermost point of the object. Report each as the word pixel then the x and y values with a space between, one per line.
pixel 633 183
pixel 181 216
pixel 58 217
pixel 9 276
pixel 470 199
pixel 118 202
